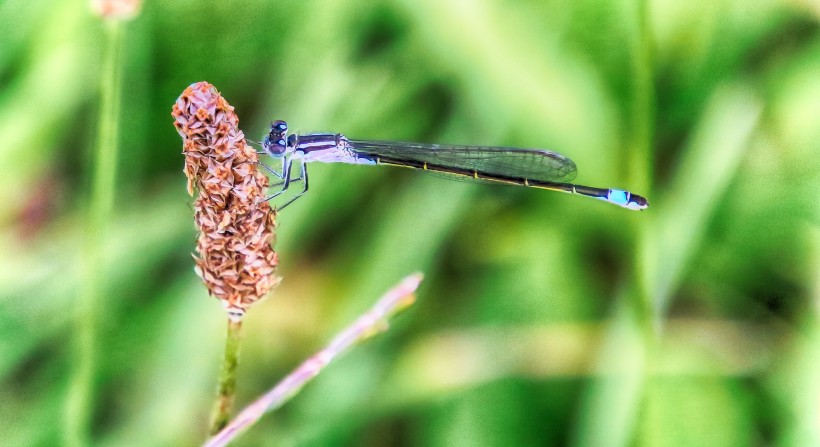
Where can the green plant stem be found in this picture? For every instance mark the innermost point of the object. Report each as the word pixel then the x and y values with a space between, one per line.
pixel 77 414
pixel 642 101
pixel 642 126
pixel 227 378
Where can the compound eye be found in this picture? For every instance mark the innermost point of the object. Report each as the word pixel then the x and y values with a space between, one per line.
pixel 274 147
pixel 276 150
pixel 279 126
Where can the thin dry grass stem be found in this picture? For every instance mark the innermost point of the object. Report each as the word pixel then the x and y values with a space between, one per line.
pixel 235 257
pixel 368 325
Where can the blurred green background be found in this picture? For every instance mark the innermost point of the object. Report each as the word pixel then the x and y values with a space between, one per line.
pixel 545 319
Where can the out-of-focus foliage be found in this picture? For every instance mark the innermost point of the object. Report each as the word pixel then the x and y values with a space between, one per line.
pixel 545 318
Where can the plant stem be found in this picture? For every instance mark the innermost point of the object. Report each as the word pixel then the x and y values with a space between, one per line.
pixel 227 378
pixel 78 403
pixel 642 125
pixel 642 108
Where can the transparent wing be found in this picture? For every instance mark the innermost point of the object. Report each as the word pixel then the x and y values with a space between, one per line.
pixel 533 164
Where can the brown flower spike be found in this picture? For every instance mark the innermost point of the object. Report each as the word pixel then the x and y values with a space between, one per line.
pixel 236 226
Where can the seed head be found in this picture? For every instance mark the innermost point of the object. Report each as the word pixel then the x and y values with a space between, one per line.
pixel 235 257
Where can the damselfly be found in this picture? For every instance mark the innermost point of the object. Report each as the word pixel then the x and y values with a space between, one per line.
pixel 536 168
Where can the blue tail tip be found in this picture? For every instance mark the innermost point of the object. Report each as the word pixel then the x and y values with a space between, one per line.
pixel 627 200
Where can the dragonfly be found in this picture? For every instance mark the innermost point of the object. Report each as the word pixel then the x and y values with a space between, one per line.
pixel 534 168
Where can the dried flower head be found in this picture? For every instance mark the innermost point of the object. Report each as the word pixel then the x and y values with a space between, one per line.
pixel 116 9
pixel 236 226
